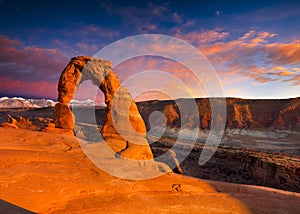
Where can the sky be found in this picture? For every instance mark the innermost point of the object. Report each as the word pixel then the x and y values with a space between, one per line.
pixel 253 46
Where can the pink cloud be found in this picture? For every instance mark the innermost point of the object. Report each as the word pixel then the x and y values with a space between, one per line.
pixel 189 23
pixel 28 88
pixel 25 68
pixel 151 26
pixel 177 17
pixel 203 37
pixel 86 48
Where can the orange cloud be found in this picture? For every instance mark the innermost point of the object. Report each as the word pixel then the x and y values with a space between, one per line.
pixel 256 37
pixel 285 73
pixel 283 54
pixel 241 57
pixel 257 40
pixel 296 69
pixel 247 35
pixel 235 61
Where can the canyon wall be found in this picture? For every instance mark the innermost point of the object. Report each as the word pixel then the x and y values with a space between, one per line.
pixel 240 166
pixel 241 113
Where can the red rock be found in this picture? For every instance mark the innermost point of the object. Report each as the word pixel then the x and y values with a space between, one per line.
pixel 124 129
pixel 171 114
pixel 9 125
pixel 63 116
pixel 241 113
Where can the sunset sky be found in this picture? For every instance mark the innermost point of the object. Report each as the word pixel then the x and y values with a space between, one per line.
pixel 254 46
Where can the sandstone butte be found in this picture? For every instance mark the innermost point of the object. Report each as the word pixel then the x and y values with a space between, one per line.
pixel 48 173
pixel 124 129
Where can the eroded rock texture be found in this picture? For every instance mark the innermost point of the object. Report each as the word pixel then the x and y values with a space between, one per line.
pixel 241 113
pixel 124 129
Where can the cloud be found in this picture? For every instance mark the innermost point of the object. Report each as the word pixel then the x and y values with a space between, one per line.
pixel 236 60
pixel 34 70
pixel 146 17
pixel 29 68
pixel 189 23
pixel 257 37
pixel 247 35
pixel 42 89
pixel 295 80
pixel 86 49
pixel 203 37
pixel 254 57
pixel 177 18
pixel 282 54
pixel 296 69
pixel 285 73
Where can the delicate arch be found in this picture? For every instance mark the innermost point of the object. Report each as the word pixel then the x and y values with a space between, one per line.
pixel 100 72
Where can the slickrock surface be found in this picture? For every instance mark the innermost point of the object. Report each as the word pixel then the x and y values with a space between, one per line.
pixel 49 173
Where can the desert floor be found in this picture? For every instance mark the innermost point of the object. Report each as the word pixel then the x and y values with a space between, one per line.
pixel 49 173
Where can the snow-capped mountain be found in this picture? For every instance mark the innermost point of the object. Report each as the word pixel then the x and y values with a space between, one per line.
pixel 84 103
pixel 87 102
pixel 19 102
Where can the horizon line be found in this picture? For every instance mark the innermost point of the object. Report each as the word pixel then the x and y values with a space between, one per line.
pixel 229 97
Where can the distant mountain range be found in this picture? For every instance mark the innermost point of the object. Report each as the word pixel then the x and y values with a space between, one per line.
pixel 19 102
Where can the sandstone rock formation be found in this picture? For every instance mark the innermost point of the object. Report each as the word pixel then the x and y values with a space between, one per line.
pixel 19 122
pixel 242 117
pixel 124 129
pixel 171 114
pixel 288 117
pixel 241 113
pixel 9 125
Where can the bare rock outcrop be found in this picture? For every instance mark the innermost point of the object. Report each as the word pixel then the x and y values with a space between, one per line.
pixel 288 117
pixel 171 114
pixel 242 117
pixel 19 122
pixel 241 113
pixel 124 129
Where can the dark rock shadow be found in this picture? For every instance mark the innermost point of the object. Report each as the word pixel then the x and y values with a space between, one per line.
pixel 9 208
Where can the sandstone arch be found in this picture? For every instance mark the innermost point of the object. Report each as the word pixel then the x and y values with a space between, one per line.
pixel 100 72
